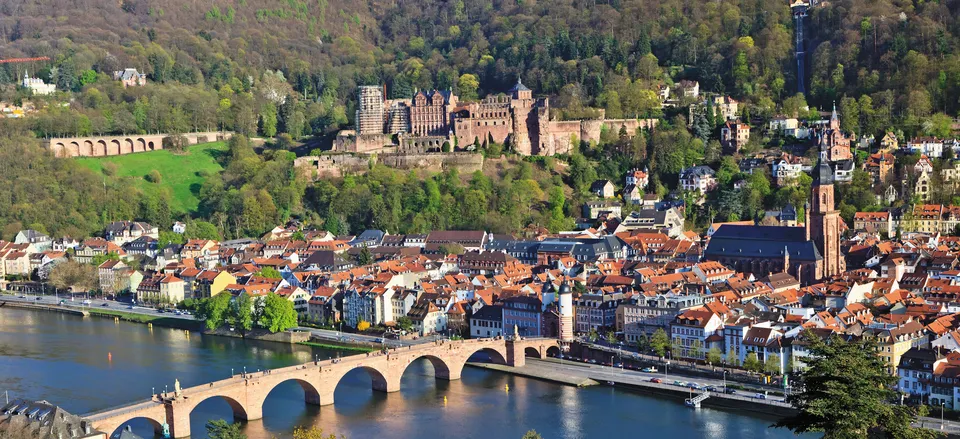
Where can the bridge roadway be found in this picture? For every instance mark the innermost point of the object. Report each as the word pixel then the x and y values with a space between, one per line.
pixel 246 393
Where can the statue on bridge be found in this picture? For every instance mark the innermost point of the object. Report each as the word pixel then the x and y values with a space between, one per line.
pixel 176 388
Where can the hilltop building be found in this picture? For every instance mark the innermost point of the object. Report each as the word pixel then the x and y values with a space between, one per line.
pixel 431 120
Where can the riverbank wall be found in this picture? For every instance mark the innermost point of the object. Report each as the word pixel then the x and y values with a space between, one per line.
pixel 583 376
pixel 286 337
pixel 558 377
pixel 40 307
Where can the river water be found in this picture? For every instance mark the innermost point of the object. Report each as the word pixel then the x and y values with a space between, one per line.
pixel 90 364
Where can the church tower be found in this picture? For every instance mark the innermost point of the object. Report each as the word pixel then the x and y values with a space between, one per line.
pixel 824 225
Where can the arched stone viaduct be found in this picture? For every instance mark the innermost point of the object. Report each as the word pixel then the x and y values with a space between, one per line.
pixel 102 146
pixel 247 394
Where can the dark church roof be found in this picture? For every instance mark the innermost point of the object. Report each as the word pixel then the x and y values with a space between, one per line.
pixel 737 241
pixel 822 174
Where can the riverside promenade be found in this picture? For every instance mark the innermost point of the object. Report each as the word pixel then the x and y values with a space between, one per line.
pixel 584 374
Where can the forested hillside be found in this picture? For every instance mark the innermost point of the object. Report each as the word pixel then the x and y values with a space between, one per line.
pixel 271 67
pixel 900 55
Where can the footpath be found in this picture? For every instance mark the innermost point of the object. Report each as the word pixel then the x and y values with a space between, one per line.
pixel 583 374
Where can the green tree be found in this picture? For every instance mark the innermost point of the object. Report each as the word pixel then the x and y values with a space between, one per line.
pixel 241 314
pixel 772 364
pixel 467 86
pixel 752 363
pixel 593 336
pixel 660 342
pixel 732 359
pixel 611 337
pixel 714 356
pixel 405 323
pixel 364 257
pixel 312 433
pixel 532 434
pixel 268 120
pixel 846 392
pixel 220 429
pixel 269 273
pixel 278 313
pixel 643 343
pixel 214 311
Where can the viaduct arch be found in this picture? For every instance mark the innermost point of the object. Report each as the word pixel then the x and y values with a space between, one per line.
pixel 102 146
pixel 246 394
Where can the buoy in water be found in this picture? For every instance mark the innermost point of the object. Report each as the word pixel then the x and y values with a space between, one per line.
pixel 109 356
pixel 506 387
pixel 444 400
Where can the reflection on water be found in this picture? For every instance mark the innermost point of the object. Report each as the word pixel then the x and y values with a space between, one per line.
pixel 65 359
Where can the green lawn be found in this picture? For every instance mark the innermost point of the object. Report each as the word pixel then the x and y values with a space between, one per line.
pixel 179 172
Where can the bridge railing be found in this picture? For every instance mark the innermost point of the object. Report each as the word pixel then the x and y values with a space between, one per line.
pixel 129 407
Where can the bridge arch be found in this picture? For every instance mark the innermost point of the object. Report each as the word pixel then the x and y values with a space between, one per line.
pixel 532 352
pixel 311 394
pixel 239 411
pixel 114 148
pixel 151 146
pixel 140 146
pixel 85 151
pixel 553 351
pixel 156 424
pixel 380 380
pixel 127 146
pixel 101 148
pixel 497 355
pixel 441 367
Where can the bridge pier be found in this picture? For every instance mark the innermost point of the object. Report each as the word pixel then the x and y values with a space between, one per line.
pixel 178 418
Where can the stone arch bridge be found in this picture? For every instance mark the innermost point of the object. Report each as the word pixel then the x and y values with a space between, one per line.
pixel 246 394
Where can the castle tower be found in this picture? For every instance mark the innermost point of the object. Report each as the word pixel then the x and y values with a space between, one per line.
pixel 521 109
pixel 824 225
pixel 566 312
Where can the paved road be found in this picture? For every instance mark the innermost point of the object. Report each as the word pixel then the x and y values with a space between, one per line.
pixel 608 373
pixel 346 337
pixel 600 373
pixel 78 303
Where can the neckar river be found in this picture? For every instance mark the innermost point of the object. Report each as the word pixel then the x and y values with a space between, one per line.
pixel 90 364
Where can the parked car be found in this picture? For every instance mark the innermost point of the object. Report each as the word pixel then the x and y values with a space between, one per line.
pixel 656 380
pixel 39 298
pixel 105 305
pixel 760 396
pixel 86 302
pixel 730 391
pixel 694 386
pixel 710 388
pixel 649 370
pixel 22 296
pixel 680 383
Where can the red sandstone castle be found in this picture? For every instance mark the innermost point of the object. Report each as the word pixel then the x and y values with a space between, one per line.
pixel 430 119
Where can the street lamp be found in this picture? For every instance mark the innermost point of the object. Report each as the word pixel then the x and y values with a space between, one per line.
pixel 724 381
pixel 942 403
pixel 231 372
